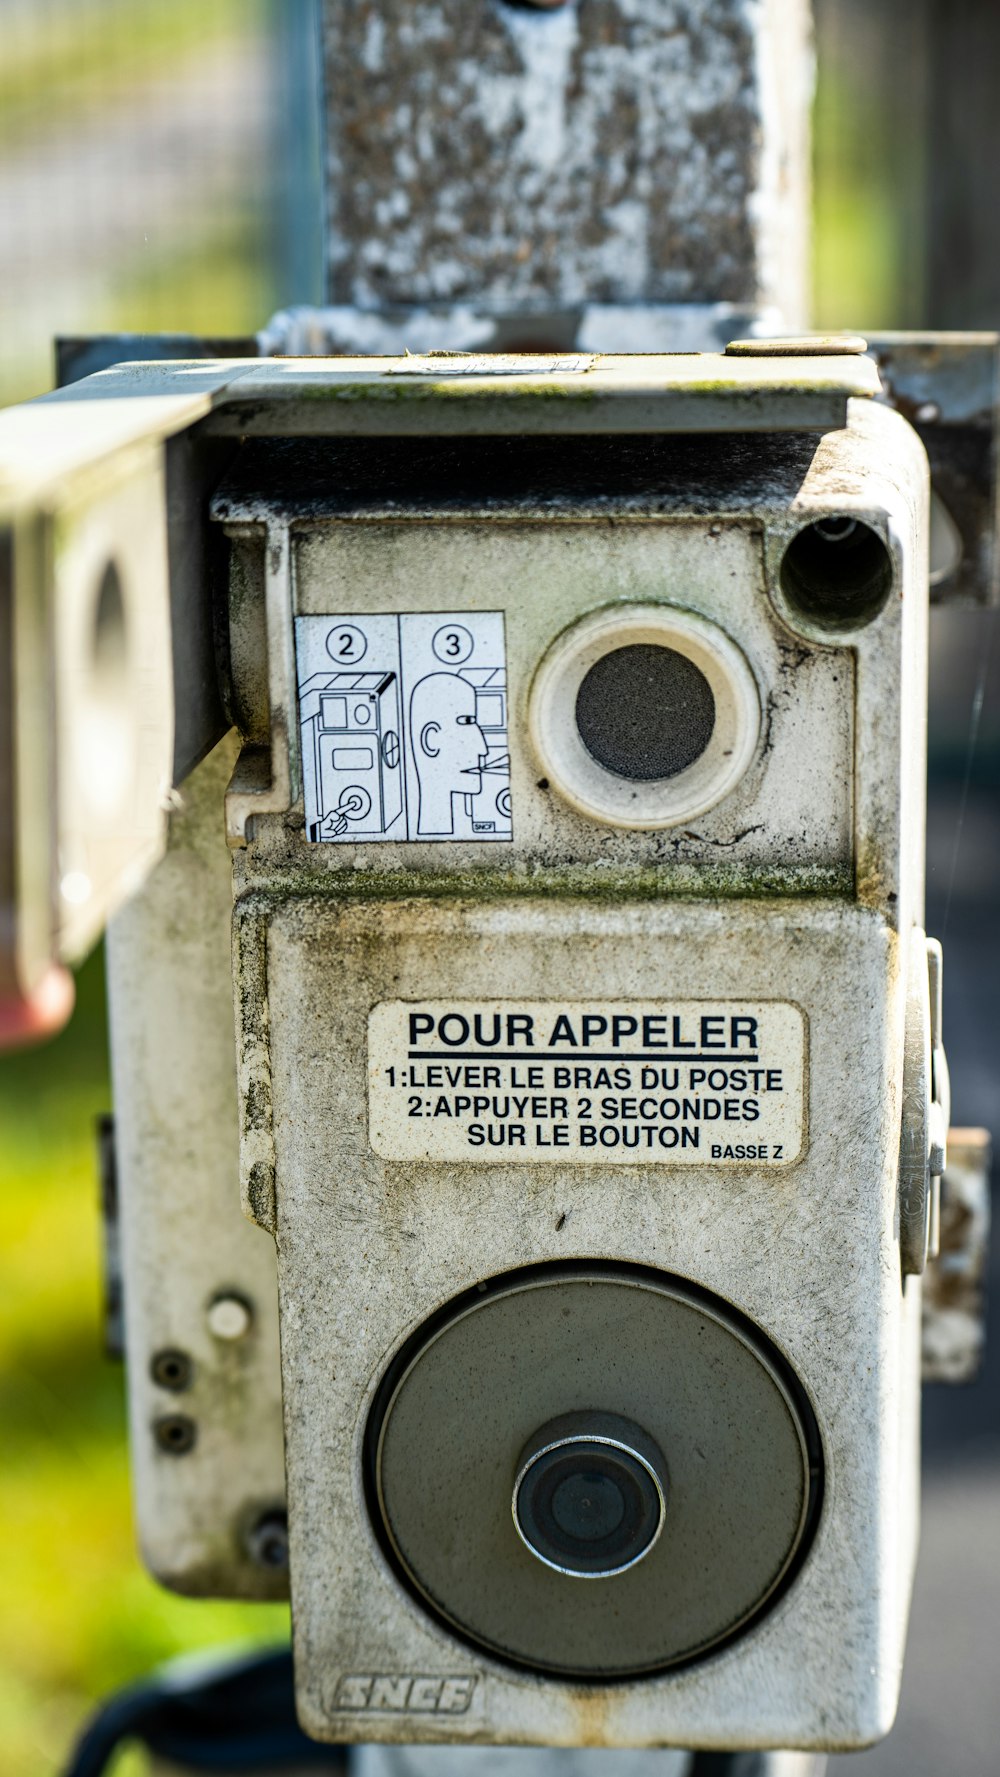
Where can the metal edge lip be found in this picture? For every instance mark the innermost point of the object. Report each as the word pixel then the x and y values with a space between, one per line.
pixel 383 397
pixel 48 443
pixel 472 374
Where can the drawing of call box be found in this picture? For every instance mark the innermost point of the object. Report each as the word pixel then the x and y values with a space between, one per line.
pixel 490 811
pixel 352 755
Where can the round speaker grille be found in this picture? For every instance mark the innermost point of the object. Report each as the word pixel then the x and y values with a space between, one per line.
pixel 645 711
pixel 461 1406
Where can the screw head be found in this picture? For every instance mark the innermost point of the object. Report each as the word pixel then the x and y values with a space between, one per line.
pixel 229 1317
pixel 171 1369
pixel 175 1434
pixel 267 1540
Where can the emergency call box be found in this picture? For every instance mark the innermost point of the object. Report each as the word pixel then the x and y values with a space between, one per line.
pixel 582 1011
pixel 588 1068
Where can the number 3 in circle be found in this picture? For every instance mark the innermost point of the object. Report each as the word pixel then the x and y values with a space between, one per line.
pixel 453 644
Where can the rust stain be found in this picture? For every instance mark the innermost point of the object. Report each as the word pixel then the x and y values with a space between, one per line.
pixel 592 1717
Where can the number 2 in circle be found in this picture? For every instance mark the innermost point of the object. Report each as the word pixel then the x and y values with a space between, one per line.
pixel 346 644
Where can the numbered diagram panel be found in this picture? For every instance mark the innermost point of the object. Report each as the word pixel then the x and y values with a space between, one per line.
pixel 404 727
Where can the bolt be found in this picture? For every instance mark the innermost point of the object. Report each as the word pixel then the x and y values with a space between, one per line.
pixel 229 1317
pixel 267 1540
pixel 172 1369
pixel 175 1434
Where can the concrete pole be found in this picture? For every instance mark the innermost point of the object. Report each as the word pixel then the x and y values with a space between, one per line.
pixel 606 174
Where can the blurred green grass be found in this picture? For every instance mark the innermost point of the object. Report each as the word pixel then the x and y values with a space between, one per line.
pixel 869 173
pixel 218 282
pixel 221 283
pixel 79 1616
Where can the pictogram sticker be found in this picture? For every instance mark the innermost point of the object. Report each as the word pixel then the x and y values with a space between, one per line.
pixel 403 721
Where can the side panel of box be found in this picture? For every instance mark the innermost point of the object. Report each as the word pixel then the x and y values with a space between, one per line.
pixel 205 1405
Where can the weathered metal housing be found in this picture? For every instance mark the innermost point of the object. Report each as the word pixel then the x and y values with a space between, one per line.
pixel 803 884
pixel 543 490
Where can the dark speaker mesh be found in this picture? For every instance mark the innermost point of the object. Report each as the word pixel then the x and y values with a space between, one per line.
pixel 645 712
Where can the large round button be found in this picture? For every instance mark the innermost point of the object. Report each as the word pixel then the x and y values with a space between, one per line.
pixel 589 1495
pixel 592 1470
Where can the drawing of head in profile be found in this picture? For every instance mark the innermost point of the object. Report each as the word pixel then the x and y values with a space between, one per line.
pixel 449 749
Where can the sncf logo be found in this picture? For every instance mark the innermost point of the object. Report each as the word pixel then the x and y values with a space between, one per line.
pixel 412 1692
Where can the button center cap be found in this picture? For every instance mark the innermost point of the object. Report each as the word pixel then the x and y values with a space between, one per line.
pixel 589 1495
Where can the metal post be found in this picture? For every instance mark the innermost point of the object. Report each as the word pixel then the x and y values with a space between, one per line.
pixel 963 243
pixel 299 194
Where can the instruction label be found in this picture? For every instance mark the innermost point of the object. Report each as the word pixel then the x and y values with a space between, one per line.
pixel 403 724
pixel 689 1083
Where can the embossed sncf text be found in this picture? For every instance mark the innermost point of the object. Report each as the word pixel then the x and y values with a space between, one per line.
pixel 410 1691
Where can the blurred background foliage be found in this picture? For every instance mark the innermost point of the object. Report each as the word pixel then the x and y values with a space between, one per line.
pixel 142 150
pixel 148 181
pixel 144 170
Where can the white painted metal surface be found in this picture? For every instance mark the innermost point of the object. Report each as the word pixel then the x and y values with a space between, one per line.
pixel 370 1247
pixel 89 703
pixel 187 1252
